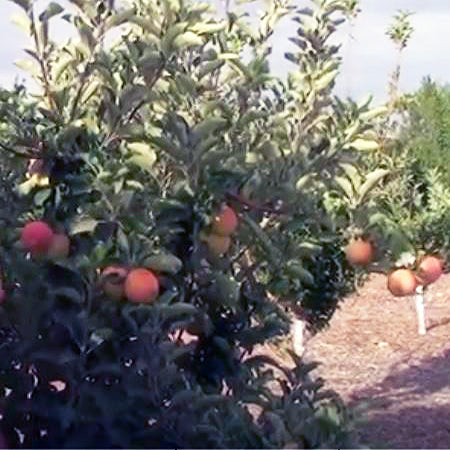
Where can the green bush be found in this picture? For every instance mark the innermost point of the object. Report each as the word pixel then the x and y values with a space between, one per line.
pixel 414 207
pixel 426 133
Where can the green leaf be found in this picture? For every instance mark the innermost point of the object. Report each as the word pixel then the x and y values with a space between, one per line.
pixel 143 155
pixel 22 21
pixel 27 186
pixel 29 66
pixel 373 113
pixel 59 67
pixel 187 39
pixel 309 249
pixel 122 241
pixel 176 309
pixel 87 36
pixel 325 81
pixel 364 144
pixel 169 147
pixel 251 116
pixel 345 184
pixel 272 252
pixel 146 24
pixel 296 270
pixel 83 225
pixel 68 293
pixel 53 9
pixel 371 180
pixel 171 34
pixel 209 401
pixel 209 67
pixel 186 84
pixel 224 290
pixel 120 18
pixel 164 262
pixel 207 28
pixel 24 4
pixel 279 432
pixel 101 335
pixel 352 173
pixel 151 60
pixel 41 196
pixel 209 126
pixel 135 185
pixel 303 181
pixel 89 91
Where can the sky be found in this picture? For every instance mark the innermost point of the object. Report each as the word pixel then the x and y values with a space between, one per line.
pixel 369 57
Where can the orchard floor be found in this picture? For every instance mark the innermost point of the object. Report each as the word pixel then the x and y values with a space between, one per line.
pixel 396 381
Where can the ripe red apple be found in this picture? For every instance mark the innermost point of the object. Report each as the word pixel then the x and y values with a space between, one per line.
pixel 59 247
pixel 402 282
pixel 429 270
pixel 225 222
pixel 141 286
pixel 359 252
pixel 217 245
pixel 37 237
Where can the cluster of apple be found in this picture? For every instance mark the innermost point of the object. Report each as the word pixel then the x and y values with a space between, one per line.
pixel 138 285
pixel 141 285
pixel 403 282
pixel 224 224
pixel 400 282
pixel 38 238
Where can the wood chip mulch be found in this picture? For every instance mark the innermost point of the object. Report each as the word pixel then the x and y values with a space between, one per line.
pixel 396 381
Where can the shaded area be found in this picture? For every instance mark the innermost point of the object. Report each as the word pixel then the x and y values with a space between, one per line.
pixel 413 427
pixel 410 408
pixel 397 381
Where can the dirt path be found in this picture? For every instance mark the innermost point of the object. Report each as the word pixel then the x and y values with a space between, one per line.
pixel 397 380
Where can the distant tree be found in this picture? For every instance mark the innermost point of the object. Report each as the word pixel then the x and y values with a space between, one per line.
pixel 427 133
pixel 399 31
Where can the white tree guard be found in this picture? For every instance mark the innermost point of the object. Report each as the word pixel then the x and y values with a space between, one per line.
pixel 298 336
pixel 420 309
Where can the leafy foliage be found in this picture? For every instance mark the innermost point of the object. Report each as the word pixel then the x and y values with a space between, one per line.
pixel 139 142
pixel 426 131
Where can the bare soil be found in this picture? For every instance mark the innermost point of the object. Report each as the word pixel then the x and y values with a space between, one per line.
pixel 396 381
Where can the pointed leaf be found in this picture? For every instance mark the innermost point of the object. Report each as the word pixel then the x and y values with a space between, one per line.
pixel 209 126
pixel 120 18
pixel 29 66
pixel 207 28
pixel 296 270
pixel 164 262
pixel 325 81
pixel 83 225
pixel 22 21
pixel 53 9
pixel 24 4
pixel 188 39
pixel 352 174
pixel 142 155
pixel 345 184
pixel 372 179
pixel 364 144
pixel 41 196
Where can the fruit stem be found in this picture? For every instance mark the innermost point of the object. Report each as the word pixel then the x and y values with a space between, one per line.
pixel 420 309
